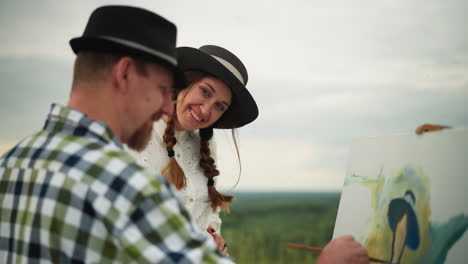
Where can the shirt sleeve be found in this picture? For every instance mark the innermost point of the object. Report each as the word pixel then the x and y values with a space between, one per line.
pixel 215 221
pixel 159 230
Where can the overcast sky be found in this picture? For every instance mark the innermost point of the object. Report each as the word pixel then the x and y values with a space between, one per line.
pixel 322 72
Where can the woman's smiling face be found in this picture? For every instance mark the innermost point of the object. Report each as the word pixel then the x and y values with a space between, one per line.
pixel 202 103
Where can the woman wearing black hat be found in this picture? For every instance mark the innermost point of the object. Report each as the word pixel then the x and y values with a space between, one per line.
pixel 182 148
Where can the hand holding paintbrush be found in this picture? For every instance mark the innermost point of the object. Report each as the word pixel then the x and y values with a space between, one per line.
pixel 343 250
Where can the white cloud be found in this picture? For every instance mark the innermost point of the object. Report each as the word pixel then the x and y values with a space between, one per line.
pixel 322 73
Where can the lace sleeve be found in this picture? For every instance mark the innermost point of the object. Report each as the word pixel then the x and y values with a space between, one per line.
pixel 215 221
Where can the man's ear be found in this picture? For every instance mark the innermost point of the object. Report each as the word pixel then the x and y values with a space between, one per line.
pixel 121 74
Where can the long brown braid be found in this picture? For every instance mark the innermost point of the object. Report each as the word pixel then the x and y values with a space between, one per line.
pixel 209 168
pixel 172 171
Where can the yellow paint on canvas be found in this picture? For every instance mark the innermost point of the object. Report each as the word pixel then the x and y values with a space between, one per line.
pixel 378 235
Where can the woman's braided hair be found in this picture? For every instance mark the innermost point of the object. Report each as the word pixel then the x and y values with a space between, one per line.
pixel 209 168
pixel 172 171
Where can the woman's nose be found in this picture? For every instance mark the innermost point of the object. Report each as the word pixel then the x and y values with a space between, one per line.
pixel 206 110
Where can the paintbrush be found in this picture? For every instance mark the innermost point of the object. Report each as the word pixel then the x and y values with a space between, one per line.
pixel 319 250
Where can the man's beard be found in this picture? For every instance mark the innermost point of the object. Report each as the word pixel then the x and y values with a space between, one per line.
pixel 140 138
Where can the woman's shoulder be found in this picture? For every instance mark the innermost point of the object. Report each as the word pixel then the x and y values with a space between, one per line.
pixel 159 127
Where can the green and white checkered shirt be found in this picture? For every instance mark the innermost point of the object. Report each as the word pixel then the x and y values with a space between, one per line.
pixel 71 194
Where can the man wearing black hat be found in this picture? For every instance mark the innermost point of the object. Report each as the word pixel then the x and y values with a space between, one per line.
pixel 71 193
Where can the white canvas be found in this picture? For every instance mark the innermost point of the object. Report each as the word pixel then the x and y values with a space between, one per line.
pixel 405 197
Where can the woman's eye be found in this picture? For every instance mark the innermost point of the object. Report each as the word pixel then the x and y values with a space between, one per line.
pixel 205 92
pixel 220 107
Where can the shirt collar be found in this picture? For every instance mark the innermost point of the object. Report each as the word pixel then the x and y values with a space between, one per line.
pixel 75 123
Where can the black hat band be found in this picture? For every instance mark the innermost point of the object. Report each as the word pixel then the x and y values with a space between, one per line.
pixel 138 46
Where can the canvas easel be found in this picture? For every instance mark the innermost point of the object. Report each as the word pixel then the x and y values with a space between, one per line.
pixel 404 196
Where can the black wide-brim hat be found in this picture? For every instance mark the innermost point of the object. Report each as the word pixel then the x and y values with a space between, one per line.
pixel 225 66
pixel 403 205
pixel 132 31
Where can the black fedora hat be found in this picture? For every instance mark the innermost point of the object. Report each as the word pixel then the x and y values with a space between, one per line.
pixel 225 66
pixel 131 31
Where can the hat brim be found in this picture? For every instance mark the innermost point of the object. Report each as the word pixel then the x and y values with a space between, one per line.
pixel 110 46
pixel 395 209
pixel 243 108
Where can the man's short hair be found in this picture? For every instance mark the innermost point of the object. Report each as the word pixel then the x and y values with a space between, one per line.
pixel 91 66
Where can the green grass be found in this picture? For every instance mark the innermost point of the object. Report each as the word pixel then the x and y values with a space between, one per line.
pixel 261 224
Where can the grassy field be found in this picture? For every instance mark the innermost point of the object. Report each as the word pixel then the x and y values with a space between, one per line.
pixel 261 224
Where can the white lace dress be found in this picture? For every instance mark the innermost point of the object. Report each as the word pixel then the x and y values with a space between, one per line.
pixel 187 154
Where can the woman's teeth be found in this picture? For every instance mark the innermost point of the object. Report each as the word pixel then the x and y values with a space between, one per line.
pixel 195 116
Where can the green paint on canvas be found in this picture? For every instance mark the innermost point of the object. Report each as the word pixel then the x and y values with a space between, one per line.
pixel 435 239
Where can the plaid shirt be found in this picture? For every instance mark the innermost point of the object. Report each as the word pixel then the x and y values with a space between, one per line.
pixel 70 193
